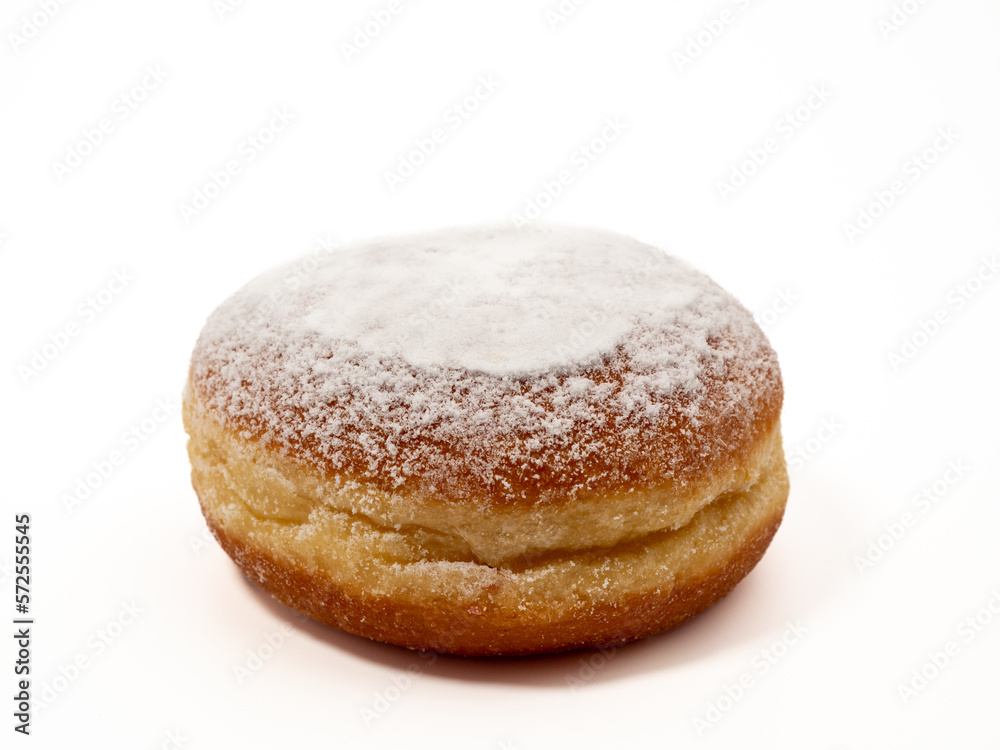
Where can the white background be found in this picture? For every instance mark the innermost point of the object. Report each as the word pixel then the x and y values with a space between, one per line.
pixel 865 436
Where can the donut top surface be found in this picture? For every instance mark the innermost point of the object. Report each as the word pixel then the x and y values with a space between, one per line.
pixel 491 364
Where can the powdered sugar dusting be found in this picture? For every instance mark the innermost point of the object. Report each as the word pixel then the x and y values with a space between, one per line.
pixel 491 362
pixel 489 300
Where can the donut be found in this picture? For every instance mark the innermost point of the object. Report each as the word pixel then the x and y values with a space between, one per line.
pixel 487 440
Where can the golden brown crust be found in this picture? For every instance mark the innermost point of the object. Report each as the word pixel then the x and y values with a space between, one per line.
pixel 414 586
pixel 436 626
pixel 674 449
pixel 274 486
